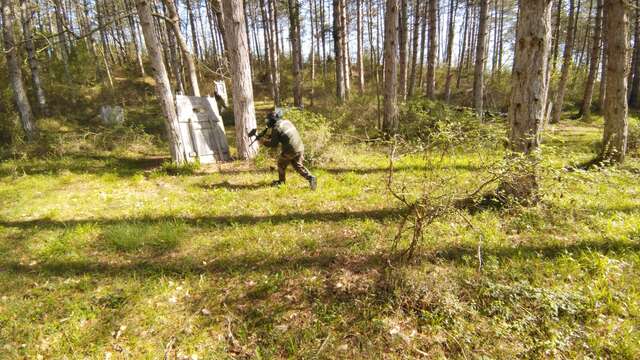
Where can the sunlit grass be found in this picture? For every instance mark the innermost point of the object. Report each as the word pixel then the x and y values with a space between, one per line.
pixel 109 254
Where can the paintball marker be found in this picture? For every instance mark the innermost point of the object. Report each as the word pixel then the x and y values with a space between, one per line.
pixel 257 136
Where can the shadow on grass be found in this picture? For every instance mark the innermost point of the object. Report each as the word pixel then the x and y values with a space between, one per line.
pixel 93 164
pixel 229 186
pixel 360 170
pixel 213 221
pixel 266 263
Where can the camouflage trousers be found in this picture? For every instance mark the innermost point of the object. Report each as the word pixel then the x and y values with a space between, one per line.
pixel 296 160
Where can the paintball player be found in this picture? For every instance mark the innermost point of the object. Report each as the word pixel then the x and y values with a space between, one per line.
pixel 283 132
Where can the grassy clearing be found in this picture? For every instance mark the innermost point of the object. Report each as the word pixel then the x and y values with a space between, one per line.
pixel 103 252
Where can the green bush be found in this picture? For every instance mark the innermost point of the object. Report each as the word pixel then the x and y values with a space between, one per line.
pixel 316 133
pixel 633 142
pixel 437 124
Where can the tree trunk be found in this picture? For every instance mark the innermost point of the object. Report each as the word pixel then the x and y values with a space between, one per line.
pixel 192 25
pixel 163 87
pixel 62 38
pixel 478 77
pixel 614 143
pixel 433 50
pixel 463 44
pixel 556 35
pixel 296 51
pixel 603 62
pixel 15 73
pixel 174 22
pixel 339 50
pixel 585 109
pixel 276 27
pixel 390 119
pixel 528 94
pixel 450 37
pixel 360 40
pixel 566 65
pixel 404 36
pixel 324 42
pixel 243 107
pixel 423 42
pixel 274 53
pixel 634 93
pixel 314 42
pixel 27 8
pixel 134 38
pixel 346 54
pixel 414 47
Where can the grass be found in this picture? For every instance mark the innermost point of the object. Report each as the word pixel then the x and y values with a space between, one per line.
pixel 106 253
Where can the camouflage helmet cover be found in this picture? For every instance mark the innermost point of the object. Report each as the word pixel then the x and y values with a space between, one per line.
pixel 274 116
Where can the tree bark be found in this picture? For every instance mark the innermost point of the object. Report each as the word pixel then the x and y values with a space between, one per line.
pixel 433 50
pixel 174 22
pixel 585 109
pixel 463 44
pixel 528 94
pixel 134 38
pixel 423 41
pixel 62 38
pixel 15 73
pixel 339 50
pixel 450 37
pixel 194 33
pixel 478 77
pixel 414 46
pixel 614 143
pixel 243 106
pixel 390 119
pixel 27 8
pixel 346 53
pixel 296 51
pixel 566 65
pixel 634 93
pixel 314 42
pixel 163 87
pixel 360 40
pixel 404 36
pixel 275 54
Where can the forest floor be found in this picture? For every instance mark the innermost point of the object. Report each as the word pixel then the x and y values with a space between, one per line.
pixel 104 256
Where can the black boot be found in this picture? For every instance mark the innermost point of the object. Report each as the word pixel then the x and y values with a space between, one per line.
pixel 277 183
pixel 313 182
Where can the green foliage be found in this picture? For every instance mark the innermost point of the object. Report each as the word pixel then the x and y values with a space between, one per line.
pixel 316 132
pixel 8 124
pixel 175 169
pixel 436 124
pixel 93 248
pixel 633 142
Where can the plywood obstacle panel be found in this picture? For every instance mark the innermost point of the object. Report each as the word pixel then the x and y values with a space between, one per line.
pixel 201 129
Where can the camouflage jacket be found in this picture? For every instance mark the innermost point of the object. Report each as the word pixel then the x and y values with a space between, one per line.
pixel 286 134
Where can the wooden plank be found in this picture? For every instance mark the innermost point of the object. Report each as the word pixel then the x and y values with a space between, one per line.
pixel 203 136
